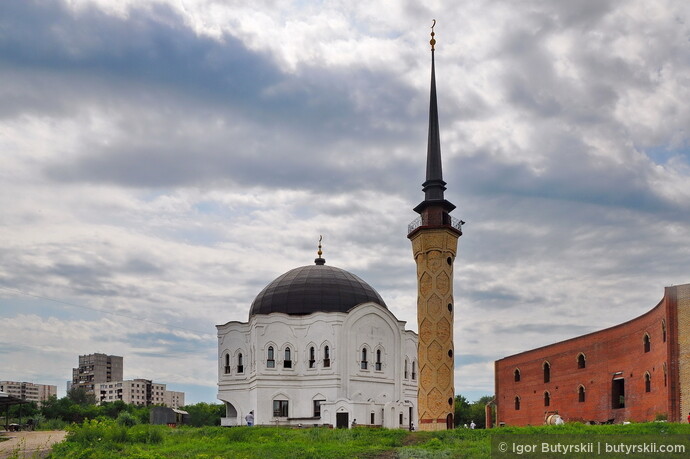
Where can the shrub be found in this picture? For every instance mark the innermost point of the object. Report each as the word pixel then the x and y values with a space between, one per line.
pixel 126 419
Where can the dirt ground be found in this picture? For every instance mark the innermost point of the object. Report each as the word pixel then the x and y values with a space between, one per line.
pixel 29 444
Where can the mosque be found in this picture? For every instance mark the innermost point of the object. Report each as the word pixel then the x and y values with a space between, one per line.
pixel 321 347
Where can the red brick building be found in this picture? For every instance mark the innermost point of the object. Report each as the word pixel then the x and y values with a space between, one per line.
pixel 634 371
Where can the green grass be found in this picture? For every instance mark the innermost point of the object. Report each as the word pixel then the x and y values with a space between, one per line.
pixel 107 439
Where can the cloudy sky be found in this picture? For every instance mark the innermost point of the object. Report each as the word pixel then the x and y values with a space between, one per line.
pixel 162 161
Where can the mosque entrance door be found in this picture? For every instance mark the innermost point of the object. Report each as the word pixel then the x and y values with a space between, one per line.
pixel 342 420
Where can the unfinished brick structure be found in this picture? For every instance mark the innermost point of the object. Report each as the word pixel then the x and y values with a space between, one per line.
pixel 636 371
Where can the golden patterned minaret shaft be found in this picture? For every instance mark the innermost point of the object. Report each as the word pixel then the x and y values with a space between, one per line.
pixel 434 237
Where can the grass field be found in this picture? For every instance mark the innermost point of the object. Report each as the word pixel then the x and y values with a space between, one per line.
pixel 105 439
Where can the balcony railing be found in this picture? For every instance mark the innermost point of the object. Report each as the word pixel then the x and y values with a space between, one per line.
pixel 448 220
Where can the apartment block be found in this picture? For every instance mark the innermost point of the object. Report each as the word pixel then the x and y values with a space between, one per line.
pixel 142 392
pixel 29 391
pixel 94 369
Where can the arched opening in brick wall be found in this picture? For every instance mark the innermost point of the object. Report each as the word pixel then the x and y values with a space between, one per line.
pixel 663 330
pixel 618 393
pixel 664 374
pixel 517 403
pixel 581 394
pixel 516 375
pixel 547 372
pixel 547 398
pixel 647 343
pixel 581 361
pixel 647 382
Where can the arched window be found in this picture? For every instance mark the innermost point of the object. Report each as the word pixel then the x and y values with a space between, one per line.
pixel 547 372
pixel 517 403
pixel 664 374
pixel 647 343
pixel 227 364
pixel 547 398
pixel 406 364
pixel 581 394
pixel 414 370
pixel 363 362
pixel 312 357
pixel 326 357
pixel 378 365
pixel 647 382
pixel 516 375
pixel 287 361
pixel 270 358
pixel 581 362
pixel 663 330
pixel 240 363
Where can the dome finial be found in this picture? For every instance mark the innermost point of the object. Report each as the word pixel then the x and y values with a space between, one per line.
pixel 432 42
pixel 320 261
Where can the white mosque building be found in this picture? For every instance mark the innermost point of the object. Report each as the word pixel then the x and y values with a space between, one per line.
pixel 320 348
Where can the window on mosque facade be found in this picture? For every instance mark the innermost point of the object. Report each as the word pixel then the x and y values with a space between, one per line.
pixel 406 364
pixel 647 343
pixel 414 370
pixel 287 362
pixel 317 408
pixel 270 360
pixel 379 364
pixel 240 363
pixel 312 357
pixel 364 364
pixel 326 357
pixel 280 408
pixel 227 364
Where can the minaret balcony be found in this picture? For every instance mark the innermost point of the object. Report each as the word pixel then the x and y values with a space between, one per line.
pixel 424 221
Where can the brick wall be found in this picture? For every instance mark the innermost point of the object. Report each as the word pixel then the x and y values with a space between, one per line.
pixel 614 353
pixel 681 296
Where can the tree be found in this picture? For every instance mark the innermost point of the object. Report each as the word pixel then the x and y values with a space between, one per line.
pixel 466 413
pixel 204 414
pixel 79 396
pixel 462 411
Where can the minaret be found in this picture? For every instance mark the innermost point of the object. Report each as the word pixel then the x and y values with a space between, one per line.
pixel 434 235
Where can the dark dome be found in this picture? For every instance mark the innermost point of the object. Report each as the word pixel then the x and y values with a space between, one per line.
pixel 314 288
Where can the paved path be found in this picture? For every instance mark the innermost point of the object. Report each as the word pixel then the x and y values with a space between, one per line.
pixel 30 444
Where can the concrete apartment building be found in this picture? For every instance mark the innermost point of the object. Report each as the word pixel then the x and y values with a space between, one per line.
pixel 28 391
pixel 94 369
pixel 139 392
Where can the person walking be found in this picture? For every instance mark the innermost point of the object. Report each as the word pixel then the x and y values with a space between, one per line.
pixel 250 418
pixel 472 425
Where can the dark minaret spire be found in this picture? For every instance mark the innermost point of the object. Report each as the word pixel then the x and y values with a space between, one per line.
pixel 435 208
pixel 434 185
